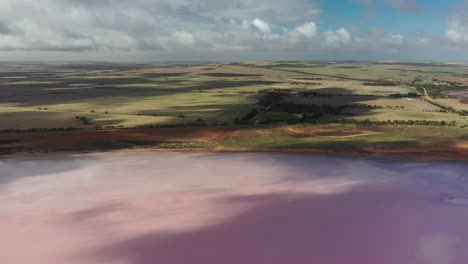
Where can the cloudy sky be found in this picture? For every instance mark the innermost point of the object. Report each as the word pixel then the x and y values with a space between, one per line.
pixel 234 30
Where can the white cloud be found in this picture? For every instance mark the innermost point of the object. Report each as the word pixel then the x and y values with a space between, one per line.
pixel 395 39
pixel 184 38
pixel 337 37
pixel 423 41
pixel 308 29
pixel 173 29
pixel 261 25
pixel 148 25
pixel 457 31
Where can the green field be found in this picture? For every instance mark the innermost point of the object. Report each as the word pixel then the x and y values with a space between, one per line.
pixel 122 95
pixel 343 138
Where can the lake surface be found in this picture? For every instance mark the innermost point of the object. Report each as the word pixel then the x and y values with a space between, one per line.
pixel 179 208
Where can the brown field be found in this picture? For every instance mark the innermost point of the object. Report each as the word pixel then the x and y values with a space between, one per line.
pixel 202 101
pixel 116 95
pixel 437 144
pixel 111 139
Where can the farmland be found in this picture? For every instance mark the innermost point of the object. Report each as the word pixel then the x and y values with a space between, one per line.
pixel 384 105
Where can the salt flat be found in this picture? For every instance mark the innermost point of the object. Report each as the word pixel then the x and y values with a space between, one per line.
pixel 174 208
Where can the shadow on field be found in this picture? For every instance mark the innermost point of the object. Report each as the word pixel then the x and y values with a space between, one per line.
pixel 47 119
pixel 358 226
pixel 165 75
pixel 107 88
pixel 302 69
pixel 332 103
pixel 206 110
pixel 220 74
pixel 336 91
pixel 219 84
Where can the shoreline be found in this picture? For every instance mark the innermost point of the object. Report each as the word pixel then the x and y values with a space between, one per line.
pixel 215 139
pixel 403 155
pixel 126 207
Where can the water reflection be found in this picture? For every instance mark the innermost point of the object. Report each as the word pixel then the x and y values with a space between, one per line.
pixel 175 208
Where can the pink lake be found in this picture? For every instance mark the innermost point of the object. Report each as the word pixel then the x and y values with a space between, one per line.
pixel 181 208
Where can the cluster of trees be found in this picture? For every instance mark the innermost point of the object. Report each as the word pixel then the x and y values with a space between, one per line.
pixel 11 130
pixel 395 107
pixel 191 124
pixel 84 120
pixel 271 96
pixel 308 108
pixel 368 122
pixel 313 79
pixel 304 83
pixel 381 83
pixel 364 106
pixel 245 120
pixel 324 109
pixel 448 108
pixel 408 95
pixel 108 127
pixel 434 89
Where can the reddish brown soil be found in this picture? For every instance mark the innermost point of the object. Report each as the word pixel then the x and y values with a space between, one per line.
pixel 69 140
pixel 464 100
pixel 33 143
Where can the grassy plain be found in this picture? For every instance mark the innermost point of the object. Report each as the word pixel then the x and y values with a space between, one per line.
pixel 115 96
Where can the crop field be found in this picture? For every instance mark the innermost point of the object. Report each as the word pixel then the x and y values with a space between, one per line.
pixel 344 138
pixel 454 102
pixel 373 71
pixel 125 97
pixel 107 96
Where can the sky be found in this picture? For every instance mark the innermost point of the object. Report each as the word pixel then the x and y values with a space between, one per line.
pixel 234 30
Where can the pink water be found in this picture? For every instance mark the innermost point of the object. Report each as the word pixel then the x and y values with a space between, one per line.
pixel 168 208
